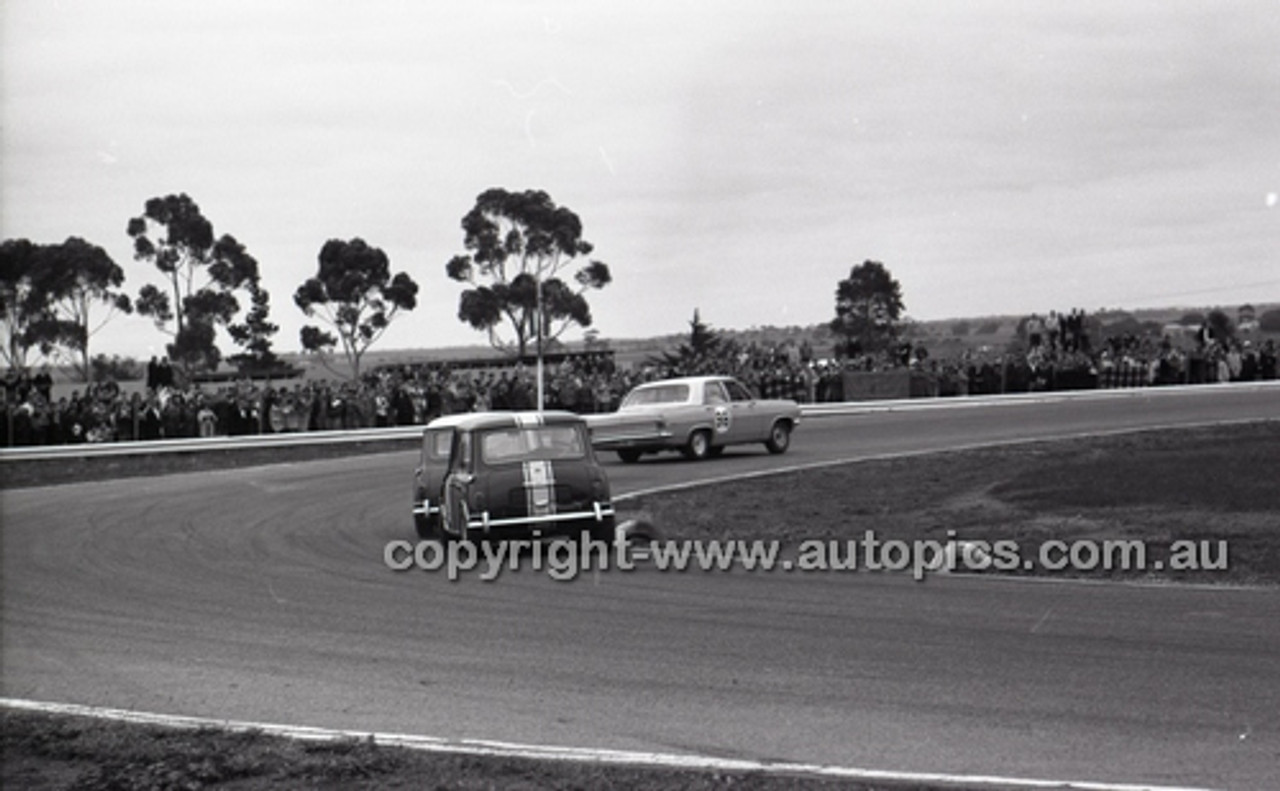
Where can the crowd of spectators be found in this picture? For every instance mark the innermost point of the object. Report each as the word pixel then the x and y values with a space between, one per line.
pixel 1205 360
pixel 1195 355
pixel 1057 354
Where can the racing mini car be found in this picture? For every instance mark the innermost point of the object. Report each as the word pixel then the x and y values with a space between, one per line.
pixel 511 474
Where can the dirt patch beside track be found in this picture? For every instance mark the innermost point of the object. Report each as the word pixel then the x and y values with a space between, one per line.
pixel 1160 487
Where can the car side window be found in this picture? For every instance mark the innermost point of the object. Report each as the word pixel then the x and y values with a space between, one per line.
pixel 713 393
pixel 436 446
pixel 460 461
pixel 739 393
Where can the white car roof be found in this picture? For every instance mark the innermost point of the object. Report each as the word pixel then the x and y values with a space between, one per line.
pixel 687 380
pixel 504 419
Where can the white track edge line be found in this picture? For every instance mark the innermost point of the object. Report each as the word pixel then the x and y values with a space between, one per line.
pixel 501 749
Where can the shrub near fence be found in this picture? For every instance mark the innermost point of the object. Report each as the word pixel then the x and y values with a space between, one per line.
pixel 1126 374
pixel 878 385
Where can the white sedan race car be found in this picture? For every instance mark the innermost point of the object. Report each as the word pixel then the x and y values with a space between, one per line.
pixel 697 415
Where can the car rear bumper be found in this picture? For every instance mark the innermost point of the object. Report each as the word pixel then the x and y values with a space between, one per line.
pixel 601 515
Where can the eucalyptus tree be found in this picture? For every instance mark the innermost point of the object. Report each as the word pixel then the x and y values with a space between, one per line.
pixel 202 275
pixel 519 245
pixel 354 292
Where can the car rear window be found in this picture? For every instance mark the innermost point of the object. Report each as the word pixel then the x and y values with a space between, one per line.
pixel 436 444
pixel 659 394
pixel 501 446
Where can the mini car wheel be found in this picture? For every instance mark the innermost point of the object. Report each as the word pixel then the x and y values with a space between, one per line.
pixel 779 437
pixel 629 455
pixel 438 533
pixel 698 446
pixel 603 531
pixel 421 522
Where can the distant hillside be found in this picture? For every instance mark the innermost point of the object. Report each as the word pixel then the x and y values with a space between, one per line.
pixel 944 336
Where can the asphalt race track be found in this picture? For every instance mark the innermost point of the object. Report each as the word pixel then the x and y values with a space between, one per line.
pixel 261 594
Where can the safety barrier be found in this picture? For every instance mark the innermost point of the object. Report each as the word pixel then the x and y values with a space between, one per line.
pixel 196 444
pixel 847 408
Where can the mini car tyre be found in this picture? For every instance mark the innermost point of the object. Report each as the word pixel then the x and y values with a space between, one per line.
pixel 423 527
pixel 605 532
pixel 629 455
pixel 423 524
pixel 437 532
pixel 779 437
pixel 699 445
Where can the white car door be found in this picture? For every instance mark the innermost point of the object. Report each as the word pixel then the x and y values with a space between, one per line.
pixel 747 414
pixel 716 400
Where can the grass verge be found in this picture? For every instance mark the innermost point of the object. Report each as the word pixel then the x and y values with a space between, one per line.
pixel 41 751
pixel 1159 487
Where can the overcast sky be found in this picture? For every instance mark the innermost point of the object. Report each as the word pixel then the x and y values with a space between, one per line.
pixel 738 157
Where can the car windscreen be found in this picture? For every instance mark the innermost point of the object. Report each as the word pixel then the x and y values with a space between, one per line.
pixel 658 394
pixel 501 446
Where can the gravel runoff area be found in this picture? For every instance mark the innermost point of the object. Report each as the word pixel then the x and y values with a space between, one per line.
pixel 1213 484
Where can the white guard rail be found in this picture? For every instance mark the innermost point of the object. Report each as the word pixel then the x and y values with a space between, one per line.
pixel 196 444
pixel 143 447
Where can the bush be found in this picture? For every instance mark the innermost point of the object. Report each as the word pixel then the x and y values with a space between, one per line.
pixel 1221 324
pixel 115 368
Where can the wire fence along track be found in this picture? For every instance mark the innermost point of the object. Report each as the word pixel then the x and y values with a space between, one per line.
pixel 811 411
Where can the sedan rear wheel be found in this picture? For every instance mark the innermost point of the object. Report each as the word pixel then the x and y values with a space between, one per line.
pixel 779 437
pixel 699 445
